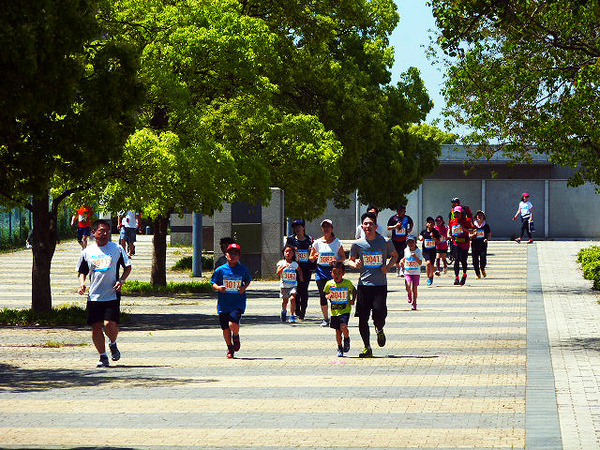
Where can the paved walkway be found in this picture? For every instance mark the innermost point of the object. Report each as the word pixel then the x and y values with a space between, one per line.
pixel 510 361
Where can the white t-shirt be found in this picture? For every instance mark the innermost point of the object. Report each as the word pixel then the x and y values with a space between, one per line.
pixel 328 253
pixel 289 275
pixel 525 208
pixel 411 265
pixel 129 220
pixel 101 264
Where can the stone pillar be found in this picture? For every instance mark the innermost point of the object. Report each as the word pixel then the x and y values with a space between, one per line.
pixel 273 230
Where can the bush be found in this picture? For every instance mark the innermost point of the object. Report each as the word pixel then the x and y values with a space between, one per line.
pixel 590 263
pixel 185 263
pixel 141 287
pixel 63 315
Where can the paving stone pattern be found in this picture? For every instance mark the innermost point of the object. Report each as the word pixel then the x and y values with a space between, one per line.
pixel 453 374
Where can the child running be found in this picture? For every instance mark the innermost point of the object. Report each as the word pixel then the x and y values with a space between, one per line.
pixel 341 294
pixel 441 247
pixel 231 281
pixel 430 237
pixel 289 272
pixel 411 263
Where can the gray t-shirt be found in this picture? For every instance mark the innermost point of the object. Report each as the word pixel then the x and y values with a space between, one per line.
pixel 102 265
pixel 374 255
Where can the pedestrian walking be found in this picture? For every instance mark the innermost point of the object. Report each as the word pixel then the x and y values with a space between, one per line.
pixel 325 252
pixel 430 237
pixel 459 230
pixel 102 261
pixel 341 294
pixel 525 212
pixel 231 281
pixel 370 255
pixel 289 272
pixel 128 225
pixel 411 263
pixel 441 247
pixel 480 236
pixel 302 242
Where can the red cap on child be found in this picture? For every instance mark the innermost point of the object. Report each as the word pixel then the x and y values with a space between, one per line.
pixel 234 246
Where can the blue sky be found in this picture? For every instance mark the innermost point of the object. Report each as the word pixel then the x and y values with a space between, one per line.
pixel 410 39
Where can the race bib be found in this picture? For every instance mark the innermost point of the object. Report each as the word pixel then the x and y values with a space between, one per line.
pixel 232 284
pixel 288 276
pixel 401 232
pixel 372 259
pixel 442 239
pixel 457 229
pixel 101 263
pixel 302 256
pixel 326 258
pixel 480 233
pixel 412 263
pixel 429 243
pixel 338 297
pixel 82 218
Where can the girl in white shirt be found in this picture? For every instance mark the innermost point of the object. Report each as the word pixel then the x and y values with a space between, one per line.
pixel 525 210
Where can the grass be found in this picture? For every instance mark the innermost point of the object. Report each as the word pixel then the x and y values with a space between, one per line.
pixel 145 288
pixel 63 315
pixel 56 344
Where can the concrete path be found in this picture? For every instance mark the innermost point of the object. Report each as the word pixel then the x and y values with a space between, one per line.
pixel 509 361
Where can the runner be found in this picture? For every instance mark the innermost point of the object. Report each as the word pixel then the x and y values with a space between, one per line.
pixel 525 210
pixel 401 226
pixel 441 247
pixel 430 237
pixel 341 293
pixel 289 272
pixel 459 229
pixel 479 242
pixel 302 242
pixel 411 263
pixel 371 255
pixel 83 217
pixel 325 252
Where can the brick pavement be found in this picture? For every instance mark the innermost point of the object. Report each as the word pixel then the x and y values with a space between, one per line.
pixel 453 374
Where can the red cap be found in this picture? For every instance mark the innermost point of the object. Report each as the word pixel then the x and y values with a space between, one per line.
pixel 234 246
pixel 525 194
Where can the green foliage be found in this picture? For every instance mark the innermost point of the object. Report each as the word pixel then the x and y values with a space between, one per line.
pixel 185 263
pixel 143 288
pixel 526 75
pixel 67 315
pixel 590 263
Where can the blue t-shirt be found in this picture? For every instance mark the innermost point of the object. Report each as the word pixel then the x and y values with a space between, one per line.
pixel 232 278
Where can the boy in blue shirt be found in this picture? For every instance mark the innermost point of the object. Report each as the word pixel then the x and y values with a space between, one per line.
pixel 231 281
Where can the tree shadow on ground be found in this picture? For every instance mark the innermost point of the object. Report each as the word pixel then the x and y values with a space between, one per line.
pixel 169 321
pixel 20 380
pixel 580 344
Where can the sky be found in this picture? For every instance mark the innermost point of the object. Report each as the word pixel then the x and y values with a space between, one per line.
pixel 410 39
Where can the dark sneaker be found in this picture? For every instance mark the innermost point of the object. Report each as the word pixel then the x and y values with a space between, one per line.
pixel 463 279
pixel 236 343
pixel 114 352
pixel 483 273
pixel 366 353
pixel 103 361
pixel 456 281
pixel 230 351
pixel 340 352
pixel 346 347
pixel 530 241
pixel 283 316
pixel 380 338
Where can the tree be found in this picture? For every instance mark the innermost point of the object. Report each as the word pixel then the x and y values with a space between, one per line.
pixel 66 98
pixel 525 74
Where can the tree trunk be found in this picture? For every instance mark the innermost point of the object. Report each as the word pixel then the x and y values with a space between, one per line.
pixel 44 244
pixel 158 274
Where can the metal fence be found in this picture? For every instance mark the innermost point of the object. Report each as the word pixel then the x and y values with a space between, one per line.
pixel 15 225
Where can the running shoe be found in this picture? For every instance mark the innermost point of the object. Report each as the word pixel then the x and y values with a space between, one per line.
pixel 429 281
pixel 346 347
pixel 340 351
pixel 283 316
pixel 530 241
pixel 456 281
pixel 114 352
pixel 414 307
pixel 103 361
pixel 483 273
pixel 437 273
pixel 518 240
pixel 463 279
pixel 478 276
pixel 236 343
pixel 292 318
pixel 325 323
pixel 366 353
pixel 230 352
pixel 380 337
